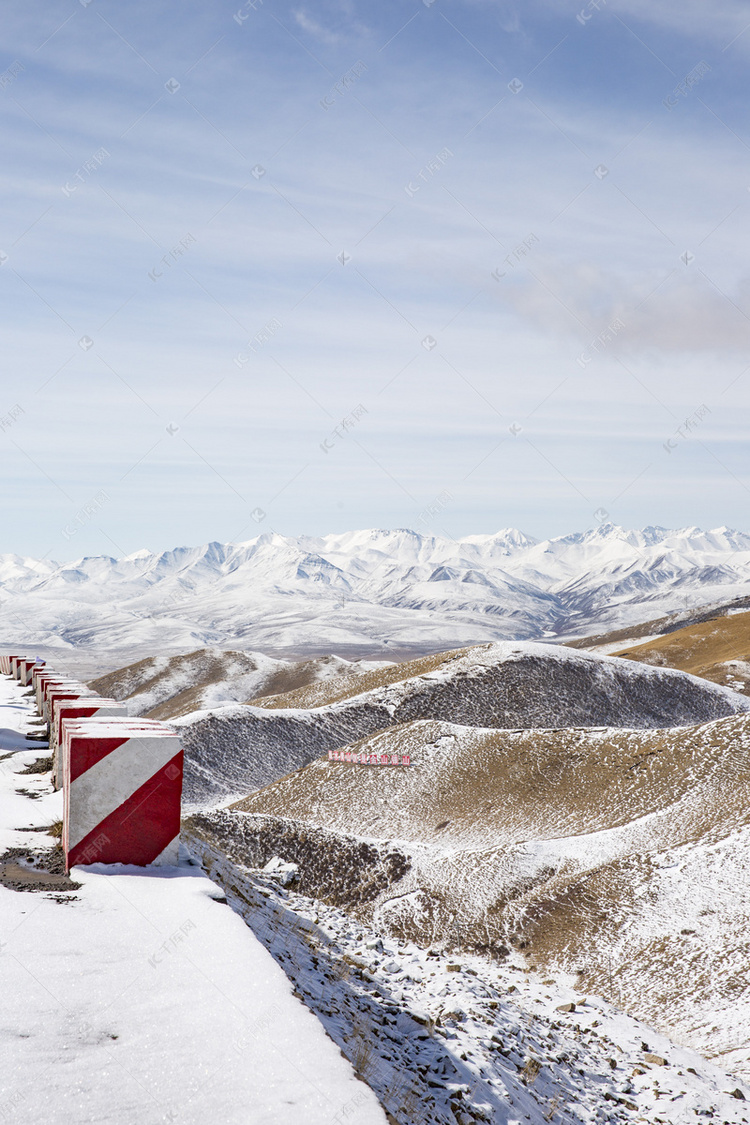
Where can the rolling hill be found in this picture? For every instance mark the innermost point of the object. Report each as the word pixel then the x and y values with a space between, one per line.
pixel 717 649
pixel 232 750
pixel 615 859
pixel 167 687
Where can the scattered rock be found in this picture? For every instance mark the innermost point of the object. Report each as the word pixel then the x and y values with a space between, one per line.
pixel 282 871
pixel 737 1094
pixel 23 870
pixel 565 1008
pixel 654 1060
pixel 420 1016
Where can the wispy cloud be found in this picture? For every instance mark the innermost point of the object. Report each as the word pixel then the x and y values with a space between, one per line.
pixel 438 236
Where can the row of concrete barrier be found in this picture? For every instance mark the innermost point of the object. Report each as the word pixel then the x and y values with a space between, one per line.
pixel 121 777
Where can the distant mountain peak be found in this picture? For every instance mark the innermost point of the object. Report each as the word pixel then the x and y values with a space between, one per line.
pixel 360 591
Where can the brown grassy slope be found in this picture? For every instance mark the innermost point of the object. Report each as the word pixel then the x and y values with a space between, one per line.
pixel 174 685
pixel 477 788
pixel 346 687
pixel 659 625
pixel 618 857
pixel 717 650
pixel 170 687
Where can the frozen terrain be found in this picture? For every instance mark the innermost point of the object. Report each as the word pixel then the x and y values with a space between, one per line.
pixel 232 750
pixel 165 687
pixel 136 996
pixel 447 1040
pixel 717 649
pixel 617 857
pixel 385 594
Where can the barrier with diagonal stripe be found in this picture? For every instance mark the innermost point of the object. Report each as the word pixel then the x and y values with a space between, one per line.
pixel 122 791
pixel 121 777
pixel 70 710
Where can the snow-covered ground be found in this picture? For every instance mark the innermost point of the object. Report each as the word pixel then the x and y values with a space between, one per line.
pixel 446 1039
pixel 169 686
pixel 370 592
pixel 141 997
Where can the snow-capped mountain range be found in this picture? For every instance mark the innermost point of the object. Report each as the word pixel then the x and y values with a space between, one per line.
pixel 372 591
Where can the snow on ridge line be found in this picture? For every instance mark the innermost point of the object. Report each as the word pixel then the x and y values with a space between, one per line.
pixel 372 592
pixel 517 650
pixel 719 538
pixel 469 665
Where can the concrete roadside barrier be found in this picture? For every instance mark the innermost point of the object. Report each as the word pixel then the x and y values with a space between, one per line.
pixel 37 672
pixel 93 725
pixel 70 710
pixel 25 669
pixel 122 788
pixel 71 690
pixel 40 681
pixel 42 684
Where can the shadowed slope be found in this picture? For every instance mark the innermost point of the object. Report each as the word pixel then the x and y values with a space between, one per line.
pixel 235 749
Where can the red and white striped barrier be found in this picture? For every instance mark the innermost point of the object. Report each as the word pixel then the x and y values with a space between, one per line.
pixel 39 674
pixel 94 726
pixel 40 681
pixel 364 759
pixel 20 667
pixel 121 777
pixel 58 691
pixel 25 668
pixel 69 710
pixel 122 791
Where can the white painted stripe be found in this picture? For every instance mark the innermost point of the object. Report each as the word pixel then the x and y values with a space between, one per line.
pixel 106 709
pixel 103 728
pixel 96 794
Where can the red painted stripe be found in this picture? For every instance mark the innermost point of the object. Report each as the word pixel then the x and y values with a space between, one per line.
pixel 140 829
pixel 87 750
pixel 57 696
pixel 78 711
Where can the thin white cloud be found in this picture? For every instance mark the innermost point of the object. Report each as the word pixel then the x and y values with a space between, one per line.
pixel 312 27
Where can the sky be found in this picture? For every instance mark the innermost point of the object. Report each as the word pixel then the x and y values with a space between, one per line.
pixel 452 265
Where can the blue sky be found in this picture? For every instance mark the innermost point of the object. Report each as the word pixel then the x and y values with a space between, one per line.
pixel 308 267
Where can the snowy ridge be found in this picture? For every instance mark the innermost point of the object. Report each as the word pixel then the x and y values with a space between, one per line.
pixel 370 590
pixel 165 687
pixel 232 750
